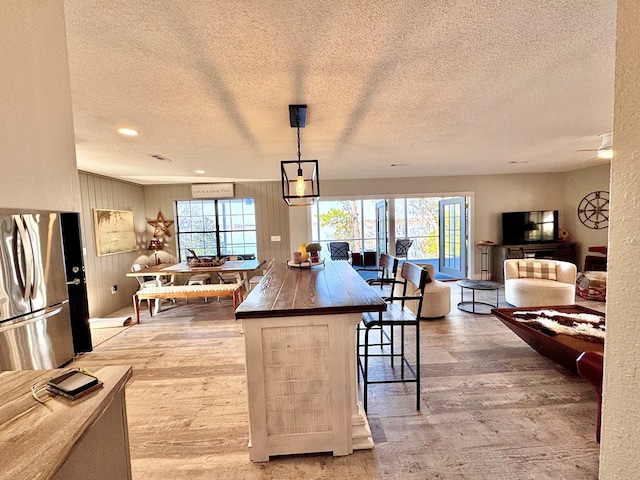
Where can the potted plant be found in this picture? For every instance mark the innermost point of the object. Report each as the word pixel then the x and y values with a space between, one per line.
pixel 313 249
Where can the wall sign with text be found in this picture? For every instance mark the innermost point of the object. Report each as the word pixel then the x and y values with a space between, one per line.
pixel 212 190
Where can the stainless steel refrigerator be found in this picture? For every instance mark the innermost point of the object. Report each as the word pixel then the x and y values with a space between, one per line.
pixel 35 324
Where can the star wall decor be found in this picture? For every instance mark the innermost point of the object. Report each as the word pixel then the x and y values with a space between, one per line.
pixel 160 225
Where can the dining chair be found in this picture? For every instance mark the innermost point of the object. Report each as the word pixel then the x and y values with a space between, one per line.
pixel 230 277
pixel 402 247
pixel 151 281
pixel 396 316
pixel 339 250
pixel 198 279
pixel 253 281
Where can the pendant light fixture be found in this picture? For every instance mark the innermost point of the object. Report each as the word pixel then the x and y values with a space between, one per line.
pixel 300 182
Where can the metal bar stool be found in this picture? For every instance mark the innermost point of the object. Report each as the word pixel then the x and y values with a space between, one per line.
pixel 399 316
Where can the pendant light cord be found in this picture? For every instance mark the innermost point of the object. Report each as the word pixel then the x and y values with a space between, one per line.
pixel 298 126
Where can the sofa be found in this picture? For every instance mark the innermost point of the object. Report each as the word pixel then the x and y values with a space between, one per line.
pixel 534 282
pixel 436 301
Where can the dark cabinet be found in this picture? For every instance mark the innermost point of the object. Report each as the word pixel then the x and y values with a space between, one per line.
pixel 549 251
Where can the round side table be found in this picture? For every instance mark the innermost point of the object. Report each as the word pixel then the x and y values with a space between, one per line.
pixel 473 285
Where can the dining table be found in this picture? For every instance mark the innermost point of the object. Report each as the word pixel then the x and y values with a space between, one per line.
pixel 242 267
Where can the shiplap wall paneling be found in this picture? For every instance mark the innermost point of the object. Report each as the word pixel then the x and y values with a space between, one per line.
pixel 104 272
pixel 272 218
pixel 271 213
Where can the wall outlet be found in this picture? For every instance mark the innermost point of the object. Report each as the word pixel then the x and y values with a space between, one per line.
pixel 275 238
pixel 114 289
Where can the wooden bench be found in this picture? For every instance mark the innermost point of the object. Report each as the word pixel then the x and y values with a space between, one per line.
pixel 233 290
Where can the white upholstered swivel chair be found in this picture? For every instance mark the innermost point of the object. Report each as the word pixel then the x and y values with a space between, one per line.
pixel 527 282
pixel 437 296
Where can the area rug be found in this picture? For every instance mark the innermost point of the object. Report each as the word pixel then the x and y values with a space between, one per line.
pixel 102 329
pixel 109 322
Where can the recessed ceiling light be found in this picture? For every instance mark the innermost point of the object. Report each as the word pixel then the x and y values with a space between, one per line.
pixel 130 132
pixel 200 172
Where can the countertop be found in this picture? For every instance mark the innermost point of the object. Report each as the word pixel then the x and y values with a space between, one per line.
pixel 334 287
pixel 35 438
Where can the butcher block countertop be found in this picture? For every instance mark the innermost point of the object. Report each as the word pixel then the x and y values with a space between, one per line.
pixel 35 438
pixel 331 288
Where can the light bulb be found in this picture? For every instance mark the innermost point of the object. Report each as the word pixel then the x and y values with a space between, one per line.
pixel 300 187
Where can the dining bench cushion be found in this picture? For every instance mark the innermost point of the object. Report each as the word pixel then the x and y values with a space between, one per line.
pixel 190 289
pixel 233 290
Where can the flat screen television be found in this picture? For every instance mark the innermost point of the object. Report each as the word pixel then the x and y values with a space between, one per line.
pixel 529 227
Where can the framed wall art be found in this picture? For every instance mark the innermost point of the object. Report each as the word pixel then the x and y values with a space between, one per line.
pixel 114 231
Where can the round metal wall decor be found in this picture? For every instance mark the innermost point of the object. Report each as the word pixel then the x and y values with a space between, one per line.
pixel 593 210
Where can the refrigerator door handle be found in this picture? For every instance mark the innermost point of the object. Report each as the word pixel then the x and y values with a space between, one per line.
pixel 31 318
pixel 33 239
pixel 27 251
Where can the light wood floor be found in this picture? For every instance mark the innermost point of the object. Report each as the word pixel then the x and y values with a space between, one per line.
pixel 492 408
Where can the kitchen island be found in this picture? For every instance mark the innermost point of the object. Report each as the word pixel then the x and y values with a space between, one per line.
pixel 300 349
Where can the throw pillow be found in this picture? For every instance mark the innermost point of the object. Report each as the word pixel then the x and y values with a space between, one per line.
pixel 531 269
pixel 429 279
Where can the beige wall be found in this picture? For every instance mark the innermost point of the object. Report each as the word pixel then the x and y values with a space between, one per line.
pixel 490 196
pixel 577 184
pixel 620 447
pixel 37 144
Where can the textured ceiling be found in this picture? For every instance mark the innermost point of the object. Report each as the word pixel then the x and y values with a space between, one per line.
pixel 450 87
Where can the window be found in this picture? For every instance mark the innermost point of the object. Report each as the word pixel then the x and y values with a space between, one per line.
pixel 216 228
pixel 353 221
pixel 417 219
